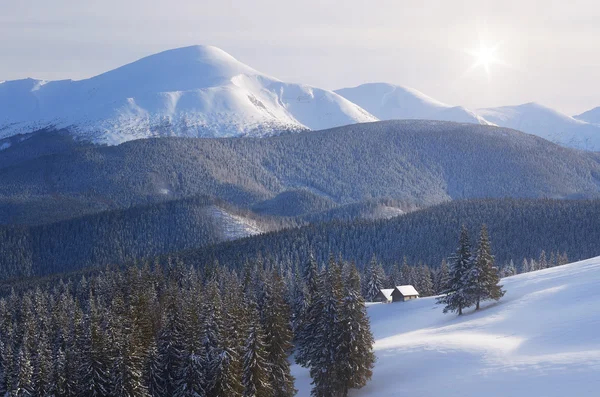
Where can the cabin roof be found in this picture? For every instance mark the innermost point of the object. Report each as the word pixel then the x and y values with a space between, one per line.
pixel 387 293
pixel 407 290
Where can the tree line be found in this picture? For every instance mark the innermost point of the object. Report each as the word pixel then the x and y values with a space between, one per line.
pixel 177 330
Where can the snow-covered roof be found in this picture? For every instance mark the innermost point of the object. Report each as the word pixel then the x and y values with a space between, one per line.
pixel 387 293
pixel 407 290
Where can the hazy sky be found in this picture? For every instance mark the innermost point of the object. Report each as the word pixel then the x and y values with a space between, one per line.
pixel 552 46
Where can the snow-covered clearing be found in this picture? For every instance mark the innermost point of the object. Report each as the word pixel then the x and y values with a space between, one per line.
pixel 541 339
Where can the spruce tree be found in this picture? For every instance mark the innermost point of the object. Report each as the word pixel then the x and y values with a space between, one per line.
pixel 374 279
pixel 24 378
pixel 456 298
pixel 256 368
pixel 327 336
pixel 482 278
pixel 355 350
pixel 275 315
pixel 442 278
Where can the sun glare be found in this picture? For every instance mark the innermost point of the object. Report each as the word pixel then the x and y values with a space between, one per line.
pixel 485 56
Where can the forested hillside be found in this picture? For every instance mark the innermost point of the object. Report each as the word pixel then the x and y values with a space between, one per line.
pixel 416 163
pixel 519 229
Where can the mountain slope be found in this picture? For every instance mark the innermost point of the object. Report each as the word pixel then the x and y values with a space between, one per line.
pixel 392 102
pixel 115 237
pixel 591 116
pixel 417 163
pixel 197 91
pixel 519 229
pixel 547 123
pixel 540 339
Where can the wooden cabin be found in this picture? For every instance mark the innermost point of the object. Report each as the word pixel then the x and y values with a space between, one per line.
pixel 403 293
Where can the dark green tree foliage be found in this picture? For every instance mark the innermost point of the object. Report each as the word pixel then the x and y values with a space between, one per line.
pixel 374 279
pixel 256 368
pixel 325 335
pixel 482 279
pixel 275 314
pixel 457 298
pixel 174 331
pixel 341 352
pixel 356 341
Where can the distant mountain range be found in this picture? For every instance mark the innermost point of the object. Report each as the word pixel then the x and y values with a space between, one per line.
pixel 201 91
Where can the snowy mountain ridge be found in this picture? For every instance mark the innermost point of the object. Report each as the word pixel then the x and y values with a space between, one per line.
pixel 202 91
pixel 197 91
pixel 546 123
pixel 393 102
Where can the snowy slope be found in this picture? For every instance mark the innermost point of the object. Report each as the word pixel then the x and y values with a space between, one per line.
pixel 591 116
pixel 547 123
pixel 392 102
pixel 191 91
pixel 541 339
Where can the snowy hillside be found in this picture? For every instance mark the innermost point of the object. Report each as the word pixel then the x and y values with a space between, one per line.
pixel 392 102
pixel 547 123
pixel 193 91
pixel 541 339
pixel 591 116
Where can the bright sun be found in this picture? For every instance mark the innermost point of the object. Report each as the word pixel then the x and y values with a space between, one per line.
pixel 485 56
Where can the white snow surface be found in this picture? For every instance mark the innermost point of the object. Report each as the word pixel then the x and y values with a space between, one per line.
pixel 547 123
pixel 198 91
pixel 233 226
pixel 540 339
pixel 391 102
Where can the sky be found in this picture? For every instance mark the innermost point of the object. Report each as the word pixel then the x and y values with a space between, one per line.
pixel 548 48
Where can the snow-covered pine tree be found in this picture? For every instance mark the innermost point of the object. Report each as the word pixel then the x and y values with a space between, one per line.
pixel 456 297
pixel 43 369
pixel 424 281
pixel 393 278
pixel 170 345
pixel 543 261
pixel 94 364
pixel 229 380
pixel 325 365
pixel 483 279
pixel 305 327
pixel 442 278
pixel 212 338
pixel 256 368
pixel 275 315
pixel 8 369
pixel 24 379
pixel 374 279
pixel 510 269
pixel 355 350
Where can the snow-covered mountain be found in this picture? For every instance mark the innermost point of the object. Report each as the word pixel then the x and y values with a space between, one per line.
pixel 393 102
pixel 591 116
pixel 547 123
pixel 190 91
pixel 540 339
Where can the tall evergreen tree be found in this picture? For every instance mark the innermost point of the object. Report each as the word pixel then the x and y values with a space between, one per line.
pixel 456 297
pixel 355 350
pixel 255 371
pixel 278 336
pixel 482 279
pixel 327 336
pixel 374 279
